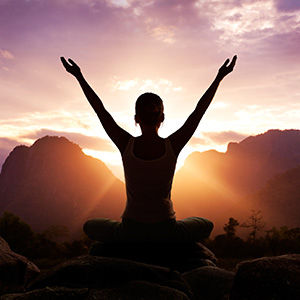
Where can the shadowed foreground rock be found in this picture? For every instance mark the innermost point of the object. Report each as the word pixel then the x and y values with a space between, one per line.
pixel 15 270
pixel 95 277
pixel 268 278
pixel 102 272
pixel 210 283
pixel 111 278
pixel 181 257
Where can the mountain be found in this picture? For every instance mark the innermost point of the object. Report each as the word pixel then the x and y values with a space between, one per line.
pixel 54 183
pixel 217 185
pixel 280 198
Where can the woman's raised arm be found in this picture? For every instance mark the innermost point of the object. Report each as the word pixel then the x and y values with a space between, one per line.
pixel 118 135
pixel 182 135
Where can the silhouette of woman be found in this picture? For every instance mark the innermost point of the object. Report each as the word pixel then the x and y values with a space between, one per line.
pixel 149 163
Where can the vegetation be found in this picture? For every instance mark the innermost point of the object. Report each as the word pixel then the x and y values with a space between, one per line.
pixel 231 249
pixel 49 248
pixel 45 249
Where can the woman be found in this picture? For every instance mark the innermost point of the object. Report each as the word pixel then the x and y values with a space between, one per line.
pixel 149 163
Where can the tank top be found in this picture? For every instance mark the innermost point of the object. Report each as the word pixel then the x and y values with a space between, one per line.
pixel 148 185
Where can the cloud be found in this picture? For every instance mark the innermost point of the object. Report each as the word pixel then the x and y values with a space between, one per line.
pixel 164 46
pixel 7 143
pixel 39 22
pixel 165 21
pixel 287 5
pixel 158 84
pixel 6 54
pixel 237 22
pixel 124 84
pixel 6 146
pixel 244 25
pixel 196 141
pixel 164 33
pixel 119 3
pixel 225 136
pixel 84 141
pixel 217 138
pixel 284 45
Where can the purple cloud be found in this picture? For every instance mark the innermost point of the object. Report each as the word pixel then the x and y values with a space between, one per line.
pixel 225 136
pixel 44 22
pixel 287 5
pixel 222 137
pixel 90 142
pixel 6 146
pixel 196 141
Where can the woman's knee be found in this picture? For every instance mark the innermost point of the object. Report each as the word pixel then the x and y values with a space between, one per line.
pixel 210 225
pixel 89 229
pixel 101 229
pixel 197 227
pixel 207 226
pixel 85 227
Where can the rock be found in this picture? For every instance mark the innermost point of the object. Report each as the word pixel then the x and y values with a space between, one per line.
pixel 134 290
pixel 94 277
pixel 15 270
pixel 108 273
pixel 210 283
pixel 181 257
pixel 50 293
pixel 276 278
pixel 131 290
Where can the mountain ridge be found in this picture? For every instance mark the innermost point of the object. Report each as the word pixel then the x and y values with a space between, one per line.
pixel 53 182
pixel 218 185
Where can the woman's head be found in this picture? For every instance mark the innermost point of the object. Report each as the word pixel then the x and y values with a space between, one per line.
pixel 149 108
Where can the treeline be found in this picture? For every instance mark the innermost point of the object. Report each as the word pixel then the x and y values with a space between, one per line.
pixel 45 249
pixel 50 247
pixel 259 242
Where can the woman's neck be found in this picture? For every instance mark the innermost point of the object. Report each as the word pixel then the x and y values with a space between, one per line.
pixel 149 130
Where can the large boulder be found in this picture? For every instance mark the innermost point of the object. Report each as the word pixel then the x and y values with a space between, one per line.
pixel 210 283
pixel 113 274
pixel 131 290
pixel 15 270
pixel 93 277
pixel 51 293
pixel 178 256
pixel 268 278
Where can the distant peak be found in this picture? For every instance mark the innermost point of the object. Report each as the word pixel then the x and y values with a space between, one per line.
pixel 271 141
pixel 54 140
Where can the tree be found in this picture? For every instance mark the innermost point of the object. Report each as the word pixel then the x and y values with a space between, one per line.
pixel 230 228
pixel 56 233
pixel 255 222
pixel 18 234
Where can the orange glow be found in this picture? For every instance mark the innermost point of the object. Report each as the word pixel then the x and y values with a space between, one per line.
pixel 125 48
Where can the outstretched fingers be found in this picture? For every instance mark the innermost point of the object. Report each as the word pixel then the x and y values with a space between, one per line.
pixel 227 67
pixel 70 66
pixel 72 62
pixel 64 62
pixel 232 64
pixel 226 62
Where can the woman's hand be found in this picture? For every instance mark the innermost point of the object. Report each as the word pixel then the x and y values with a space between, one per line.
pixel 71 67
pixel 225 70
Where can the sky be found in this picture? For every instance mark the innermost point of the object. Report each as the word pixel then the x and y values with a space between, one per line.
pixel 127 47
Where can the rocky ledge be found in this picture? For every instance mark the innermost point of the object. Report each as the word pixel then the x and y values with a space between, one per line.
pixel 98 277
